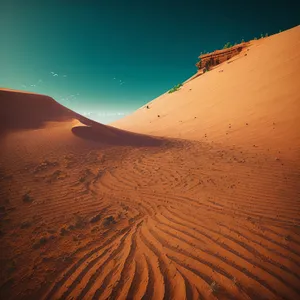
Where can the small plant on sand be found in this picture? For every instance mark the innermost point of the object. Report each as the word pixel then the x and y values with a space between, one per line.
pixel 266 35
pixel 255 38
pixel 175 88
pixel 227 45
pixel 261 35
pixel 214 287
pixel 242 41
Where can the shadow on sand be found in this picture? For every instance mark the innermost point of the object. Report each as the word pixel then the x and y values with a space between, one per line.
pixel 109 135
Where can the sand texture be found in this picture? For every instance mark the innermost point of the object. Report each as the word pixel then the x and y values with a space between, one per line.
pixel 195 197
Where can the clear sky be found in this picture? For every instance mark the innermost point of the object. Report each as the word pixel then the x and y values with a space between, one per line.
pixel 108 58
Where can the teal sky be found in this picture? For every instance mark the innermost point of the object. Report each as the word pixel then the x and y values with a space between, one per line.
pixel 108 58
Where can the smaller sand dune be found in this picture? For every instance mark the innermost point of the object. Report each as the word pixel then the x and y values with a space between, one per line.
pixel 25 111
pixel 21 110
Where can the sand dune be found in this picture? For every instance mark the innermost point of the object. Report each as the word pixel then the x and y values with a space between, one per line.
pixel 23 111
pixel 90 211
pixel 254 96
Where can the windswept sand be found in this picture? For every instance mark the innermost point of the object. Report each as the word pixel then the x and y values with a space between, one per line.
pixel 89 211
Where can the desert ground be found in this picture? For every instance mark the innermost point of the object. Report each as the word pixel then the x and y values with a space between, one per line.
pixel 196 196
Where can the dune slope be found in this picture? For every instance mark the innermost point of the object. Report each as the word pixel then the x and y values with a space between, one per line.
pixel 242 101
pixel 94 212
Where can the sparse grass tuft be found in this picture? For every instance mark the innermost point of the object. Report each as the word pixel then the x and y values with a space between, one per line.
pixel 227 45
pixel 175 88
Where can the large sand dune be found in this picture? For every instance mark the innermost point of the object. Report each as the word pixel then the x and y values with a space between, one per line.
pixel 242 101
pixel 89 211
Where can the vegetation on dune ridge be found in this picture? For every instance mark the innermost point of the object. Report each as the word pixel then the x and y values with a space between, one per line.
pixel 175 88
pixel 226 46
pixel 229 44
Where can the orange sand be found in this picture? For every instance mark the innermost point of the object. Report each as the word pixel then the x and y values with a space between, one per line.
pixel 90 211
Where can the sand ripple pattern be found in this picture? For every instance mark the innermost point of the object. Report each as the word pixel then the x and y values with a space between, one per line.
pixel 180 228
pixel 194 233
